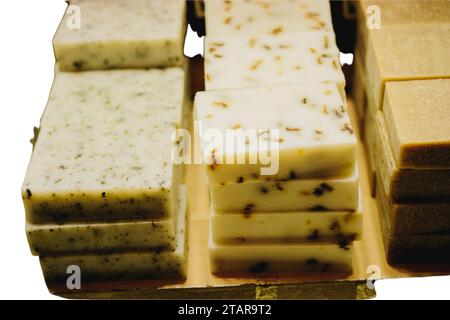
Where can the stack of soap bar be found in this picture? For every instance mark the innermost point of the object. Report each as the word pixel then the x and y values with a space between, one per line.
pixel 303 216
pixel 101 185
pixel 256 17
pixel 403 109
pixel 117 34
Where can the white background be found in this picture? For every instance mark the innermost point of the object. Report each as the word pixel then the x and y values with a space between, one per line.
pixel 26 72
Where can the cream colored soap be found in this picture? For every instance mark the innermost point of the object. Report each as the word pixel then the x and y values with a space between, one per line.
pixel 409 52
pixel 269 60
pixel 104 147
pixel 292 195
pixel 256 17
pixel 114 34
pixel 126 265
pixel 315 138
pixel 418 122
pixel 335 226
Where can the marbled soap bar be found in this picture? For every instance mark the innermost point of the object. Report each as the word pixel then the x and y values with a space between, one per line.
pixel 104 147
pixel 292 195
pixel 418 122
pixel 256 17
pixel 290 257
pixel 257 61
pixel 403 184
pixel 410 52
pixel 121 34
pixel 287 132
pixel 337 226
pixel 127 265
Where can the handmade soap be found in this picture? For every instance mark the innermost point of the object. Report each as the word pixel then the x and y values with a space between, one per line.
pixel 293 195
pixel 290 257
pixel 418 122
pixel 281 59
pixel 414 217
pixel 114 34
pixel 104 147
pixel 308 226
pixel 127 265
pixel 404 184
pixel 410 52
pixel 274 133
pixel 256 17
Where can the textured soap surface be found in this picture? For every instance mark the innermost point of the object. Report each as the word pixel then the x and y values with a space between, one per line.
pixel 315 137
pixel 104 147
pixel 403 184
pixel 121 34
pixel 255 61
pixel 128 265
pixel 276 227
pixel 293 195
pixel 256 17
pixel 406 53
pixel 418 122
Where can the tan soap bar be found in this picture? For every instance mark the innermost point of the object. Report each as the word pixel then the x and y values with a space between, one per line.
pixel 339 193
pixel 270 60
pixel 125 265
pixel 403 184
pixel 300 131
pixel 256 17
pixel 418 122
pixel 118 34
pixel 413 217
pixel 289 227
pixel 290 257
pixel 104 147
pixel 409 52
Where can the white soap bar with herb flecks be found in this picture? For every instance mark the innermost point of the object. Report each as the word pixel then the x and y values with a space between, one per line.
pixel 256 17
pixel 118 34
pixel 291 132
pixel 104 147
pixel 336 193
pixel 334 226
pixel 257 61
pixel 125 265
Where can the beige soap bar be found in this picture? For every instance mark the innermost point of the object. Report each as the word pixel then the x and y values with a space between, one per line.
pixel 118 34
pixel 300 131
pixel 336 226
pixel 125 265
pixel 293 195
pixel 256 17
pixel 418 122
pixel 403 184
pixel 407 53
pixel 104 147
pixel 269 60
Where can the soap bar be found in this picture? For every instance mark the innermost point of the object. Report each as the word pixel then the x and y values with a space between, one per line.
pixel 127 265
pixel 256 17
pixel 418 122
pixel 104 147
pixel 118 34
pixel 300 131
pixel 407 52
pixel 292 195
pixel 276 227
pixel 257 61
pixel 404 185
pixel 414 217
pixel 267 258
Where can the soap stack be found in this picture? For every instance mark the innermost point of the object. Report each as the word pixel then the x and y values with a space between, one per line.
pixel 101 192
pixel 402 92
pixel 274 84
